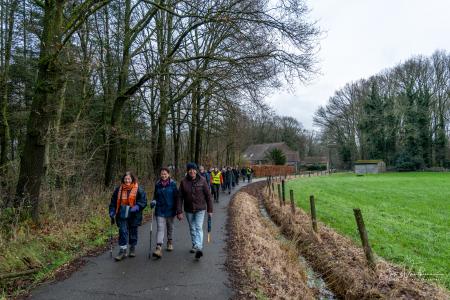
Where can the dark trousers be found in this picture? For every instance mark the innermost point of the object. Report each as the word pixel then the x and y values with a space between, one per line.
pixel 227 186
pixel 215 191
pixel 128 233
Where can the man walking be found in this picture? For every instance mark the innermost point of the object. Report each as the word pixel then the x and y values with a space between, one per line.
pixel 243 173
pixel 249 172
pixel 236 175
pixel 228 179
pixel 205 175
pixel 216 181
pixel 195 194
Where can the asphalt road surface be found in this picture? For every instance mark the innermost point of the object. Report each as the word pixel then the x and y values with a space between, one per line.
pixel 176 276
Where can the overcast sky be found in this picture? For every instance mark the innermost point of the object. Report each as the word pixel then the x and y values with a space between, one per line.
pixel 362 38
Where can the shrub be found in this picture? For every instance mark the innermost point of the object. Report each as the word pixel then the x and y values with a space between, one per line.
pixel 276 156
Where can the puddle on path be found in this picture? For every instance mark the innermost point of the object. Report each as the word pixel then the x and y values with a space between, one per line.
pixel 315 281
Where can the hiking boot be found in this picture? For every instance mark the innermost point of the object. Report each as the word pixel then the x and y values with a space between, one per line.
pixel 158 252
pixel 193 249
pixel 132 252
pixel 169 246
pixel 198 254
pixel 121 255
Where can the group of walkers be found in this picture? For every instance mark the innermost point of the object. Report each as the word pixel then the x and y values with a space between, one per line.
pixel 226 179
pixel 192 198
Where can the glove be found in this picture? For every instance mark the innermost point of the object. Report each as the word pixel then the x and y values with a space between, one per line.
pixel 134 209
pixel 153 204
pixel 112 214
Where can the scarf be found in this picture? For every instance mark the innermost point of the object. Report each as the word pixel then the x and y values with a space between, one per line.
pixel 165 183
pixel 127 195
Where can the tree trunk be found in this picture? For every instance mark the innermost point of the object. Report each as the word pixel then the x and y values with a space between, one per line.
pixel 43 109
pixel 193 125
pixel 114 138
pixel 4 77
pixel 199 121
pixel 159 154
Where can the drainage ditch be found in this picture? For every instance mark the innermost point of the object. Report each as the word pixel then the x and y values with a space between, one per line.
pixel 314 280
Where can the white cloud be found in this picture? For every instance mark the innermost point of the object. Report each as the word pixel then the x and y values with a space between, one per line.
pixel 364 37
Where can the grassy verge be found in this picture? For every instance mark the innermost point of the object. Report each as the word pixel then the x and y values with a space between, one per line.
pixel 262 266
pixel 52 247
pixel 406 214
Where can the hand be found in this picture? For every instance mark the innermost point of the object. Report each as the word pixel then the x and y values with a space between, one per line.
pixel 112 214
pixel 180 216
pixel 210 215
pixel 153 204
pixel 134 209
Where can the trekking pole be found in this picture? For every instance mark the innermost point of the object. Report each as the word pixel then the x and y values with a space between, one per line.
pixel 151 233
pixel 209 228
pixel 111 237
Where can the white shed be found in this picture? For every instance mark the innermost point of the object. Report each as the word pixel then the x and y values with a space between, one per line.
pixel 373 166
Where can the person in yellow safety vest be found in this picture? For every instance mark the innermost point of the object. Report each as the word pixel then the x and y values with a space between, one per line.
pixel 216 181
pixel 249 174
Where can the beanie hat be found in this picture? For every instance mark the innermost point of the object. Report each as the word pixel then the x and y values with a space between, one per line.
pixel 191 165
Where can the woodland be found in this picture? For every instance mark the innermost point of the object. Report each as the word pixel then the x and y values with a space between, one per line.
pixel 90 89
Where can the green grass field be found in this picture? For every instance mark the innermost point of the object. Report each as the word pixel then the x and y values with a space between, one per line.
pixel 407 215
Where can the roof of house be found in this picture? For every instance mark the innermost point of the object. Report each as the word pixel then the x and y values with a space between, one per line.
pixel 259 151
pixel 367 161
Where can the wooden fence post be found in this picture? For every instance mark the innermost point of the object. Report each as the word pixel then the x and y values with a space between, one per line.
pixel 313 213
pixel 291 194
pixel 283 191
pixel 279 194
pixel 364 238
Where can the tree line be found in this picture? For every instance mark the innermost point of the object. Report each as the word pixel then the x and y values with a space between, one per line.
pixel 89 89
pixel 400 115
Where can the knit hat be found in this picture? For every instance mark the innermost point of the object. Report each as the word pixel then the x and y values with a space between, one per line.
pixel 191 165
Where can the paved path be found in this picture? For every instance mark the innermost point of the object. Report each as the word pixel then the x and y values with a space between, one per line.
pixel 176 276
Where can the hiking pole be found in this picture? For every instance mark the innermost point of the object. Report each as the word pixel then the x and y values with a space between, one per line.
pixel 151 233
pixel 111 237
pixel 209 228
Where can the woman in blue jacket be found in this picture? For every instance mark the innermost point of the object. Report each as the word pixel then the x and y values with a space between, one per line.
pixel 165 199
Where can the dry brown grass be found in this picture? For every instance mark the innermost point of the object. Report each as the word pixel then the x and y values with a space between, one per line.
pixel 342 263
pixel 262 266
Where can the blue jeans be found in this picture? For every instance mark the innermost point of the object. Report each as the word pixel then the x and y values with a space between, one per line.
pixel 128 233
pixel 195 221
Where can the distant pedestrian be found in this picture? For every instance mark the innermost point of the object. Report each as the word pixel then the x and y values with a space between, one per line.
pixel 243 173
pixel 249 173
pixel 126 206
pixel 216 181
pixel 195 195
pixel 205 175
pixel 228 179
pixel 165 199
pixel 223 184
pixel 236 175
